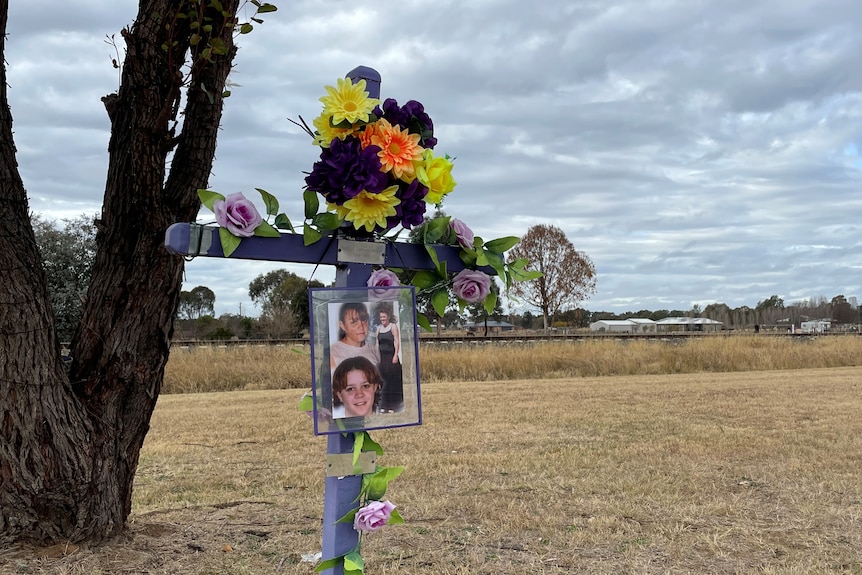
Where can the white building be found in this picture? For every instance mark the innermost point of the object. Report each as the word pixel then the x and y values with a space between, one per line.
pixel 816 326
pixel 688 324
pixel 632 325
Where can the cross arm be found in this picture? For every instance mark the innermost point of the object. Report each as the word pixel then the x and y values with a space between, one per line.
pixel 189 239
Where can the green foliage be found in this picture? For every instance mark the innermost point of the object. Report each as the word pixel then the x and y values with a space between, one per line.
pixel 68 251
pixel 281 293
pixel 196 303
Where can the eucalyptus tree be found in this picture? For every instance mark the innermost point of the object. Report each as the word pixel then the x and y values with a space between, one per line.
pixel 70 438
pixel 68 249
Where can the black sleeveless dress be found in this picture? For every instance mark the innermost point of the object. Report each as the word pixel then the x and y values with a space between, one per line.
pixel 392 397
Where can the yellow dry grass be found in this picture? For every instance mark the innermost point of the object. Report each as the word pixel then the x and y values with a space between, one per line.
pixel 215 368
pixel 718 473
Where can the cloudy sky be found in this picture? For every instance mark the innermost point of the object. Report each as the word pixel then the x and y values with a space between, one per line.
pixel 697 151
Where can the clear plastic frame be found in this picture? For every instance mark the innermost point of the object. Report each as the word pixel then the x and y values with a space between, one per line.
pixel 364 358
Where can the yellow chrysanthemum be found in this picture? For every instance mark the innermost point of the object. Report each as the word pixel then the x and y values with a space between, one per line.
pixel 369 210
pixel 398 149
pixel 348 101
pixel 326 132
pixel 436 174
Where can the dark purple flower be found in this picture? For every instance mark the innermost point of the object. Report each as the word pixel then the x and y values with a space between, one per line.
pixel 345 169
pixel 411 116
pixel 411 210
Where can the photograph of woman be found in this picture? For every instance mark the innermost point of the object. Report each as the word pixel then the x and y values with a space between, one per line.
pixel 353 320
pixel 355 387
pixel 389 349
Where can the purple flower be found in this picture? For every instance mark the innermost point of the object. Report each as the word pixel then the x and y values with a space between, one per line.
pixel 383 278
pixel 411 116
pixel 346 168
pixel 237 214
pixel 373 516
pixel 472 286
pixel 463 233
pixel 411 210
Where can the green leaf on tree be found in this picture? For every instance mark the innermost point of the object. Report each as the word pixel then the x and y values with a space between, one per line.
pixel 267 7
pixel 229 242
pixel 246 28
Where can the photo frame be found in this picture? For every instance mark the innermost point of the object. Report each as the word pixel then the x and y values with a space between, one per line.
pixel 364 358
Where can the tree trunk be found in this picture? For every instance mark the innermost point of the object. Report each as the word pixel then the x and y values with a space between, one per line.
pixel 70 450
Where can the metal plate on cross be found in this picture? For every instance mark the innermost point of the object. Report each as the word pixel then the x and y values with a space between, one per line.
pixel 358 252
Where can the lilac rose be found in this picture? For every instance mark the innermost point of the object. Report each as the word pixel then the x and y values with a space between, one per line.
pixel 373 516
pixel 238 214
pixel 381 280
pixel 472 286
pixel 463 233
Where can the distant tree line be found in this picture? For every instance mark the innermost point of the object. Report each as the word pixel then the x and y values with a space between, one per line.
pixel 68 248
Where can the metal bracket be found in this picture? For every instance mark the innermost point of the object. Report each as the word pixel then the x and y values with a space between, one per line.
pixel 341 464
pixel 200 239
pixel 356 252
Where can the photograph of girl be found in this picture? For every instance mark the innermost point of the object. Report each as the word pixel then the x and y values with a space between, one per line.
pixel 355 387
pixel 363 349
pixel 389 348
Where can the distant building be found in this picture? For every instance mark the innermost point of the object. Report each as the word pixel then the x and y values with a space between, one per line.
pixel 816 326
pixel 631 325
pixel 688 324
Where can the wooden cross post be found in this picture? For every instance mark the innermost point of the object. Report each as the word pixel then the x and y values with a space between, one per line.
pixel 340 494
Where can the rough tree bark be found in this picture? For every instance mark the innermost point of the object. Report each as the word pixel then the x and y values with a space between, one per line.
pixel 69 442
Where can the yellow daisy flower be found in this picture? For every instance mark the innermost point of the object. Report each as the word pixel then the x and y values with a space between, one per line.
pixel 326 132
pixel 436 174
pixel 398 149
pixel 369 210
pixel 348 101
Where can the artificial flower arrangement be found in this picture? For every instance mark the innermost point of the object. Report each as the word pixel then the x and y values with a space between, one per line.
pixel 377 175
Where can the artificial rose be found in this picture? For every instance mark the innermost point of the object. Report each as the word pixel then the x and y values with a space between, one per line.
pixel 472 286
pixel 238 214
pixel 381 280
pixel 463 233
pixel 373 516
pixel 436 174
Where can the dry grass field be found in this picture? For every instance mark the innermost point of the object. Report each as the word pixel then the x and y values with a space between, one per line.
pixel 752 472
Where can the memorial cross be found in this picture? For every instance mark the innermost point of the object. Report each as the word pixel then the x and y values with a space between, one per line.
pixel 354 260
